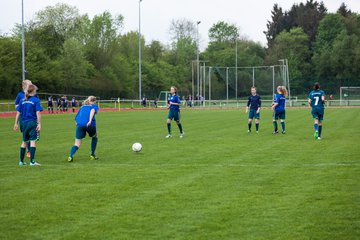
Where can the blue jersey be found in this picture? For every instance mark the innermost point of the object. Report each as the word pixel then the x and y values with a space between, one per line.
pixel 254 102
pixel 174 99
pixel 20 96
pixel 28 109
pixel 280 100
pixel 316 99
pixel 82 117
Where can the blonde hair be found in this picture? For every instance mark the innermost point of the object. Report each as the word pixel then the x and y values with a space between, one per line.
pixel 90 100
pixel 283 90
pixel 31 89
pixel 25 84
pixel 174 88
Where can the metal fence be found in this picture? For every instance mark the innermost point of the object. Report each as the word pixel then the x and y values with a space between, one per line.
pixel 206 104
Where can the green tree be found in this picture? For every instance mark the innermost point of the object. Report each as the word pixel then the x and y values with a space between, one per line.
pixel 294 46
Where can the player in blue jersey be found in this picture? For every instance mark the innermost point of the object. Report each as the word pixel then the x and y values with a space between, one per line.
pixel 86 123
pixel 254 104
pixel 278 109
pixel 174 112
pixel 58 104
pixel 50 104
pixel 20 96
pixel 316 100
pixel 73 104
pixel 29 111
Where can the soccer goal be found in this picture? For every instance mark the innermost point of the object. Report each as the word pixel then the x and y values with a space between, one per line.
pixel 163 98
pixel 349 96
pixel 232 84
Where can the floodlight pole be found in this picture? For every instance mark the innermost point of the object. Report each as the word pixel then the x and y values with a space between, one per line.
pixel 140 49
pixel 288 79
pixel 227 85
pixel 22 40
pixel 236 66
pixel 197 59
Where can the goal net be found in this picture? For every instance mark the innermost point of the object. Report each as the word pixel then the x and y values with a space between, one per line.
pixel 232 84
pixel 349 95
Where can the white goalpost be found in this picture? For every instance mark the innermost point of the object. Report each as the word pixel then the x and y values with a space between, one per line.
pixel 349 95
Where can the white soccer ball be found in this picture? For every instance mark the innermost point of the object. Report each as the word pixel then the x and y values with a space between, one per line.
pixel 136 147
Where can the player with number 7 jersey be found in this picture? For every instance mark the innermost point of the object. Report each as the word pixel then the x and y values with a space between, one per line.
pixel 316 100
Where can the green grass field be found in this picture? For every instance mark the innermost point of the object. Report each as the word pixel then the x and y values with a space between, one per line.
pixel 219 182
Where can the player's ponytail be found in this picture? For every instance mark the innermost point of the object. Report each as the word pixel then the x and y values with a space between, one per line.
pixel 283 90
pixel 90 100
pixel 31 90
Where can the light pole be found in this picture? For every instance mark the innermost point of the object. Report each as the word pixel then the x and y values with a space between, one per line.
pixel 197 59
pixel 140 49
pixel 22 40
pixel 236 66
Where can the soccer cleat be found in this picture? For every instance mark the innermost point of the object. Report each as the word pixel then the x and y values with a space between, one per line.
pixel 316 135
pixel 275 132
pixel 22 163
pixel 28 154
pixel 319 138
pixel 249 131
pixel 35 164
pixel 168 136
pixel 283 132
pixel 257 131
pixel 93 157
pixel 70 159
pixel 182 135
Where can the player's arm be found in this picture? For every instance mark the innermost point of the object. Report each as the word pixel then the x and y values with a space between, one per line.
pixel 38 115
pixel 92 113
pixel 247 105
pixel 274 105
pixel 323 99
pixel 16 125
pixel 259 106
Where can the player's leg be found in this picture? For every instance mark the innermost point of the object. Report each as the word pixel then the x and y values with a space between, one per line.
pixel 276 117
pixel 321 117
pixel 177 120
pixel 168 122
pixel 249 124
pixel 316 124
pixel 22 153
pixel 79 136
pixel 282 121
pixel 32 154
pixel 257 121
pixel 94 140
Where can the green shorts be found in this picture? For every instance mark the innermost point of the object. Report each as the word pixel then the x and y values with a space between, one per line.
pixel 174 115
pixel 318 113
pixel 253 114
pixel 279 115
pixel 29 131
pixel 81 132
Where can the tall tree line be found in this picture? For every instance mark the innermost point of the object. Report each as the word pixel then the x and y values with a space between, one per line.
pixel 67 52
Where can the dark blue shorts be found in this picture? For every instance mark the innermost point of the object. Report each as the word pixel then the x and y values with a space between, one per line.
pixel 279 115
pixel 174 115
pixel 29 131
pixel 253 114
pixel 318 113
pixel 81 132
